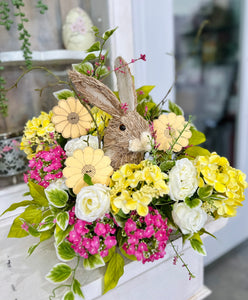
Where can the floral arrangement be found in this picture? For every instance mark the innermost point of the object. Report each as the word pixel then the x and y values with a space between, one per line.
pixel 113 174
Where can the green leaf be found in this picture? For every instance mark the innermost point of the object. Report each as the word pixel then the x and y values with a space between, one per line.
pixel 32 215
pixel 63 94
pixel 120 238
pixel 185 237
pixel 59 273
pixel 32 230
pixel 111 252
pixel 113 273
pixel 167 165
pixel 68 296
pixel 56 197
pixel 205 192
pixel 46 224
pixel 144 91
pixel 107 34
pixel 121 218
pixel 90 56
pixel 87 179
pixel 198 246
pixel 16 230
pixel 83 68
pixel 76 287
pixel 216 197
pixel 45 235
pixel 26 194
pixel 173 107
pixel 197 137
pixel 101 71
pixel 65 252
pixel 32 248
pixel 207 232
pixel 38 194
pixel 95 29
pixel 192 203
pixel 195 151
pixel 60 235
pixel 95 47
pixel 63 219
pixel 16 205
pixel 54 210
pixel 93 262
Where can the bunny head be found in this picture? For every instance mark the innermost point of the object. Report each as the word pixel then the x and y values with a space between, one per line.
pixel 127 136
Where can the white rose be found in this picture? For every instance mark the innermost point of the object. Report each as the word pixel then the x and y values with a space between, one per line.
pixel 81 143
pixel 183 180
pixel 58 184
pixel 189 220
pixel 92 202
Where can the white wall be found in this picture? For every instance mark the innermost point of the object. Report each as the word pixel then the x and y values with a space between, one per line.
pixel 153 36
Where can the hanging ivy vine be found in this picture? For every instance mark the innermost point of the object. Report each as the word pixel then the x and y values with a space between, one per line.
pixel 6 20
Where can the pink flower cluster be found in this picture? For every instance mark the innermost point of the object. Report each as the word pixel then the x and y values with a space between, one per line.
pixel 89 238
pixel 146 237
pixel 46 166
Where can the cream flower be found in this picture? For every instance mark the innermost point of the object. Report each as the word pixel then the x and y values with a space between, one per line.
pixel 71 118
pixel 81 143
pixel 88 161
pixel 172 130
pixel 188 219
pixel 183 180
pixel 92 202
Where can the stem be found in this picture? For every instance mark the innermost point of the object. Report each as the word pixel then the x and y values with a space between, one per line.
pixel 35 68
pixel 176 140
pixel 75 269
pixel 162 102
pixel 180 257
pixel 58 287
pixel 100 60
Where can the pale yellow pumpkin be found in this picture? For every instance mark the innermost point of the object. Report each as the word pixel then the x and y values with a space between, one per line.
pixel 71 118
pixel 172 131
pixel 88 161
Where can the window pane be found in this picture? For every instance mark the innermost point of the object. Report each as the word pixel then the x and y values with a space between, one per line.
pixel 207 51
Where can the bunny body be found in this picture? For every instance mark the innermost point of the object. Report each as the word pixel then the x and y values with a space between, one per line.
pixel 127 136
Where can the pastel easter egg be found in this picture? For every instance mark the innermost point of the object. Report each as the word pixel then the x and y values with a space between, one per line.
pixel 77 32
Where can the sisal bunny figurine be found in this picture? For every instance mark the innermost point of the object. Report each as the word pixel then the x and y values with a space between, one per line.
pixel 127 136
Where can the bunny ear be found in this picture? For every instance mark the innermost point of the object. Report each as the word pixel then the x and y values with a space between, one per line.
pixel 96 93
pixel 125 84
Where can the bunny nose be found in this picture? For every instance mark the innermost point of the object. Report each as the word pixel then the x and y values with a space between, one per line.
pixel 141 144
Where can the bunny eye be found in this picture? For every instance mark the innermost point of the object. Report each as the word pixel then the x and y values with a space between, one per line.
pixel 122 127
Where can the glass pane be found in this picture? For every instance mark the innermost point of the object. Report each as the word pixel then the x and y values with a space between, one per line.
pixel 206 52
pixel 24 102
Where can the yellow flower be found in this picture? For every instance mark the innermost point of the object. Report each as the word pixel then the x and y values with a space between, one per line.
pixel 71 118
pixel 38 134
pixel 215 171
pixel 102 120
pixel 142 200
pixel 125 202
pixel 88 161
pixel 225 208
pixel 172 131
pixel 134 186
